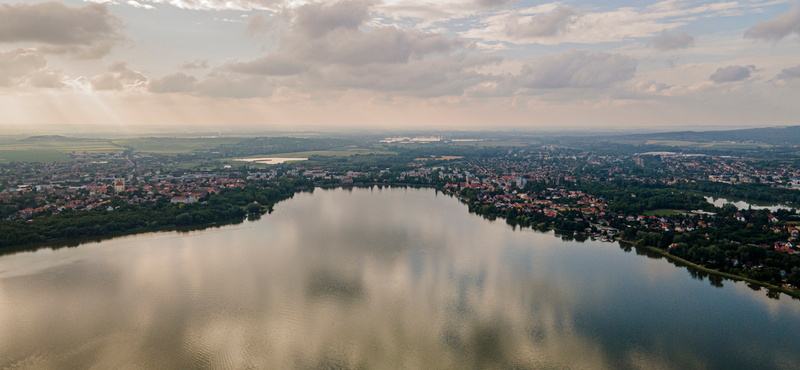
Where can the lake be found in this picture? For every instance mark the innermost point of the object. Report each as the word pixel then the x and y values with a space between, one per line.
pixel 378 279
pixel 270 160
pixel 719 202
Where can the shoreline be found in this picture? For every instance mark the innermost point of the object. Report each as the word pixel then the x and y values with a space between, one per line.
pixel 792 293
pixel 67 243
pixel 74 242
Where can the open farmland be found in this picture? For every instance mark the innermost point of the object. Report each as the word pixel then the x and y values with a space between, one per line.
pixel 174 145
pixel 52 148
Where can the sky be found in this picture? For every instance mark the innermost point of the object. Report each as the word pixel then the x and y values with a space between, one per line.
pixel 173 65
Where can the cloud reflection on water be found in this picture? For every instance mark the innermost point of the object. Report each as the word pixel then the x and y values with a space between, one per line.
pixel 398 278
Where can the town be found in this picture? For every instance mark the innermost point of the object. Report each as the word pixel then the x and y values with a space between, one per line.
pixel 650 199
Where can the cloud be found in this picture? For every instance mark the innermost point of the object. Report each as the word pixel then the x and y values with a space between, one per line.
pixel 789 73
pixel 317 19
pixel 492 3
pixel 665 41
pixel 174 83
pixel 732 74
pixel 195 64
pixel 324 45
pixel 270 65
pixel 577 69
pixel 652 87
pixel 19 63
pixel 330 33
pixel 541 25
pixel 214 85
pixel 451 75
pixel 778 27
pixel 136 4
pixel 260 24
pixel 46 78
pixel 229 86
pixel 241 5
pixel 554 23
pixel 87 32
pixel 119 77
pixel 27 67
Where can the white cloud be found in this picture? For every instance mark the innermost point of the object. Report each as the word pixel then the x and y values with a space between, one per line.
pixel 577 69
pixel 119 77
pixel 541 25
pixel 27 67
pixel 325 46
pixel 136 4
pixel 554 23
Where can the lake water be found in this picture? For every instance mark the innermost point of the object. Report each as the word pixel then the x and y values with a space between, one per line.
pixel 378 279
pixel 270 160
pixel 719 202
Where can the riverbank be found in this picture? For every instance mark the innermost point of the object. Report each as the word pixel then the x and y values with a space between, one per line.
pixel 794 293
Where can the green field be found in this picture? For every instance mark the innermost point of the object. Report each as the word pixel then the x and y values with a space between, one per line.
pixel 61 144
pixel 170 145
pixel 33 155
pixel 51 148
pixel 664 212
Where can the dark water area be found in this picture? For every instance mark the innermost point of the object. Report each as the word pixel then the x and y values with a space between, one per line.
pixel 379 279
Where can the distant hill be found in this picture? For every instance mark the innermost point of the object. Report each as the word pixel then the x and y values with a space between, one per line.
pixel 58 138
pixel 767 135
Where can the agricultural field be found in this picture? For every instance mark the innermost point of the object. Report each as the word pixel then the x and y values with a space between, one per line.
pixel 492 144
pixel 52 148
pixel 173 145
pixel 326 153
pixel 334 153
pixel 61 144
pixel 33 155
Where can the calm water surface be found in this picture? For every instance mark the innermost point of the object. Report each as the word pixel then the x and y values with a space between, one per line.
pixel 378 279
pixel 719 202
